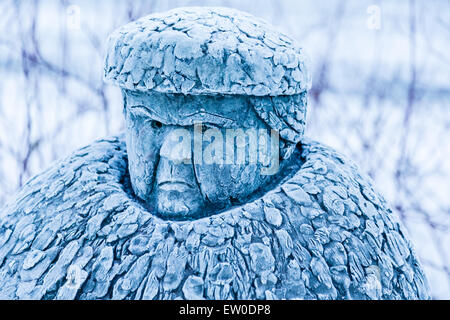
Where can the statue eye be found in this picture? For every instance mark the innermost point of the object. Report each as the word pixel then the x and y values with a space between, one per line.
pixel 156 124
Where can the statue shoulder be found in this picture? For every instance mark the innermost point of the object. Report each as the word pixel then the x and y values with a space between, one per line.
pixel 347 230
pixel 52 208
pixel 105 158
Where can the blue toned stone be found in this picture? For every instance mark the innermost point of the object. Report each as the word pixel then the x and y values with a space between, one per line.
pixel 193 288
pixel 261 258
pixel 128 217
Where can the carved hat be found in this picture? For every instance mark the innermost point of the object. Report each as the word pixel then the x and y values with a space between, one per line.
pixel 202 51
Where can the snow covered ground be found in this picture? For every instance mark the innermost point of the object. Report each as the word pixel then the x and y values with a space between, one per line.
pixel 381 93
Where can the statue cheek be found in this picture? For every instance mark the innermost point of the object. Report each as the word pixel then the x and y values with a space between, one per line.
pixel 210 180
pixel 218 183
pixel 222 184
pixel 142 150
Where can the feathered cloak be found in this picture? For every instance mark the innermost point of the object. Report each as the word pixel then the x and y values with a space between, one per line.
pixel 76 232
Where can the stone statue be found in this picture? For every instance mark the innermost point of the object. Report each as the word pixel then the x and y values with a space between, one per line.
pixel 213 192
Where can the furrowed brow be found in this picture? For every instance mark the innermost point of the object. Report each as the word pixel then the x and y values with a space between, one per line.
pixel 146 112
pixel 210 118
pixel 202 116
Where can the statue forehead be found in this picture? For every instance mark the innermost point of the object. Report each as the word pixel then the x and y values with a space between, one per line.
pixel 185 110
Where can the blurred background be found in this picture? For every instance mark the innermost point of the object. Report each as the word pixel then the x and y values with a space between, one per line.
pixel 381 93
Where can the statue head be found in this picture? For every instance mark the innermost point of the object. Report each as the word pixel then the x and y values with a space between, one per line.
pixel 214 99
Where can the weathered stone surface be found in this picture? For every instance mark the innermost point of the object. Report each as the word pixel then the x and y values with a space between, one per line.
pixel 273 216
pixel 149 265
pixel 86 229
pixel 207 51
pixel 193 288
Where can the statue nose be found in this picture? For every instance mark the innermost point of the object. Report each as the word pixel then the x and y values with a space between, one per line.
pixel 170 173
pixel 175 165
pixel 176 146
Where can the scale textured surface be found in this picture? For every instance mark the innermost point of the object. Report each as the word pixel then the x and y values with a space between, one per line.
pixel 86 227
pixel 206 51
pixel 323 233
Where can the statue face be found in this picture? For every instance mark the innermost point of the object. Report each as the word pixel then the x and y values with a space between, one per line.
pixel 190 155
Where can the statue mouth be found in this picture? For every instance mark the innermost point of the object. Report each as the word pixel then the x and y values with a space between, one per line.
pixel 177 199
pixel 174 185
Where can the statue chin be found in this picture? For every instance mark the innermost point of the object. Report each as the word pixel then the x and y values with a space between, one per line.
pixel 175 201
